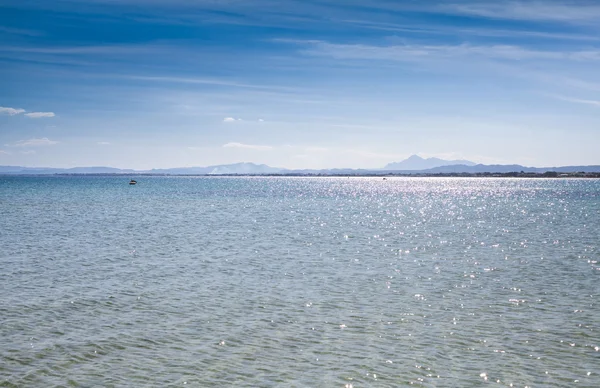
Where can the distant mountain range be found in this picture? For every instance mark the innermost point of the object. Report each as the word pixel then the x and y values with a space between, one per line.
pixel 412 165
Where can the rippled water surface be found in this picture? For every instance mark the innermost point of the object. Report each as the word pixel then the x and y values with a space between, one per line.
pixel 298 282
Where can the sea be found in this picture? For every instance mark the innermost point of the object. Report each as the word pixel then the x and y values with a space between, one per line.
pixel 299 282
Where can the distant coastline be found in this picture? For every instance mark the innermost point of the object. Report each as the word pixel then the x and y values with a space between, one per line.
pixel 548 174
pixel 413 166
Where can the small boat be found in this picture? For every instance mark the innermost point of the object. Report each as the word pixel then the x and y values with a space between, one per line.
pixel 132 182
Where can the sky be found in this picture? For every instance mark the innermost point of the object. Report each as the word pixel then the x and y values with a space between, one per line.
pixel 298 83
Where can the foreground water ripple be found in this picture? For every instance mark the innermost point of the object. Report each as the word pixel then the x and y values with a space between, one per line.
pixel 299 282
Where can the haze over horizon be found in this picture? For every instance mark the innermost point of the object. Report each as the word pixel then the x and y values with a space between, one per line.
pixel 298 84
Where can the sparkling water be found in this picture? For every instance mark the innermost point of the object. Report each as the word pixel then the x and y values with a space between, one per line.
pixel 299 282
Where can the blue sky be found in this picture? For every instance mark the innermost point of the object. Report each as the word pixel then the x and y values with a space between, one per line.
pixel 298 83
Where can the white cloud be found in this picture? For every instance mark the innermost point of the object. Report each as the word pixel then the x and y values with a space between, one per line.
pixel 19 31
pixel 579 101
pixel 247 146
pixel 44 141
pixel 230 120
pixel 37 115
pixel 103 143
pixel 528 10
pixel 476 32
pixel 16 111
pixel 261 120
pixel 416 52
pixel 10 111
pixel 207 81
pixel 2 152
pixel 28 152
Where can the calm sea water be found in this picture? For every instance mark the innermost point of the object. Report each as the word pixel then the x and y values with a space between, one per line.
pixel 299 282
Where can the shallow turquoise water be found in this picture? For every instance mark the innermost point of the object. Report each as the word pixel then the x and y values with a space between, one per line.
pixel 299 282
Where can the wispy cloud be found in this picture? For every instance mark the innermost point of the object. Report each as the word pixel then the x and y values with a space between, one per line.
pixel 558 79
pixel 124 49
pixel 461 31
pixel 2 152
pixel 28 152
pixel 10 111
pixel 16 111
pixel 412 52
pixel 20 31
pixel 248 146
pixel 595 103
pixel 35 142
pixel 283 13
pixel 103 143
pixel 205 81
pixel 39 115
pixel 528 10
pixel 230 120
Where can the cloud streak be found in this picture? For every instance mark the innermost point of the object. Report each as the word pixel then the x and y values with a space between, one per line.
pixel 10 111
pixel 20 31
pixel 206 81
pixel 35 142
pixel 124 49
pixel 281 11
pixel 39 115
pixel 527 10
pixel 414 52
pixel 17 111
pixel 595 103
pixel 440 30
